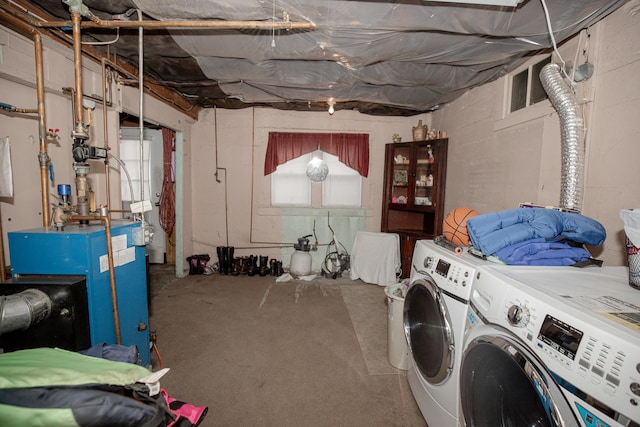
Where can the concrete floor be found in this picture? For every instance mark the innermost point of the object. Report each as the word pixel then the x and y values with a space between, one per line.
pixel 261 353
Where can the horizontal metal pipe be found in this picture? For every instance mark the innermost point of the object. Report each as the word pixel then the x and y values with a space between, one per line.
pixel 14 18
pixel 21 110
pixel 260 25
pixel 23 310
pixel 27 23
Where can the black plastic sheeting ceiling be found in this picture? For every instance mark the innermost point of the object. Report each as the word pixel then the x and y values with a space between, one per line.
pixel 378 57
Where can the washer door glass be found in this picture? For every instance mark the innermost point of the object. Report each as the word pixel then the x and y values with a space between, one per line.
pixel 428 330
pixel 502 384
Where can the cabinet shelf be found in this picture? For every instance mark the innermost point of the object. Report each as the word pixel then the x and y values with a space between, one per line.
pixel 419 183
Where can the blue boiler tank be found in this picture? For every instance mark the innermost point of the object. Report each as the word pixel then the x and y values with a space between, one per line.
pixel 82 250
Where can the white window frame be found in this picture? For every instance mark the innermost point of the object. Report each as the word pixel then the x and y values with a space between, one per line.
pixel 297 189
pixel 343 185
pixel 529 84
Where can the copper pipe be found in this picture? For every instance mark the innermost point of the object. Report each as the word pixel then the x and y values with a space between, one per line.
pixel 77 66
pixel 25 110
pixel 259 25
pixel 112 270
pixel 24 23
pixel 12 17
pixel 43 156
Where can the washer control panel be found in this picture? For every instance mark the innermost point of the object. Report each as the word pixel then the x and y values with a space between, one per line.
pixel 586 353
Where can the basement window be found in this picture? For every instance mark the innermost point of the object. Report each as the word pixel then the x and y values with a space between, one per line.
pixel 290 185
pixel 346 156
pixel 343 186
pixel 526 88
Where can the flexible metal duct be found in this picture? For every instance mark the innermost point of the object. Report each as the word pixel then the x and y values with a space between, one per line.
pixel 23 310
pixel 571 128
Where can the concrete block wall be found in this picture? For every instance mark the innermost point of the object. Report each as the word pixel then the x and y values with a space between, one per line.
pixel 497 160
pixel 17 88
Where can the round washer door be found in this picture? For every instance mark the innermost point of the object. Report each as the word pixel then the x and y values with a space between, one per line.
pixel 503 384
pixel 428 329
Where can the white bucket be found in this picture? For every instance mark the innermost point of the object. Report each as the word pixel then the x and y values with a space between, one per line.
pixel 398 350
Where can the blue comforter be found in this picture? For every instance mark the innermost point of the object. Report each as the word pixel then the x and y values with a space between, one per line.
pixel 542 252
pixel 494 231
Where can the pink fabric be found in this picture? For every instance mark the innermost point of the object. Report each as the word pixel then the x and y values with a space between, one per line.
pixel 352 149
pixel 194 414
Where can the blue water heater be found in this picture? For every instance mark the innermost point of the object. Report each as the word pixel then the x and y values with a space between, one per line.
pixel 82 250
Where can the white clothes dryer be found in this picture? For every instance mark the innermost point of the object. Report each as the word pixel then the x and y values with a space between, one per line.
pixel 435 311
pixel 555 346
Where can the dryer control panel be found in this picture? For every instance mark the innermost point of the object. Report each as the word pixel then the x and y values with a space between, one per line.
pixel 452 272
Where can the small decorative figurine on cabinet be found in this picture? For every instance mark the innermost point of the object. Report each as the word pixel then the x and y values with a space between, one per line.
pixel 420 132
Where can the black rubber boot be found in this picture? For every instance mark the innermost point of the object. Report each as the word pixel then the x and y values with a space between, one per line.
pixel 264 265
pixel 220 259
pixel 231 249
pixel 235 266
pixel 252 269
pixel 227 260
pixel 279 269
pixel 244 265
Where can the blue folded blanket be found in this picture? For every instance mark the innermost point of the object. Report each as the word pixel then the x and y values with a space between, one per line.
pixel 494 231
pixel 541 252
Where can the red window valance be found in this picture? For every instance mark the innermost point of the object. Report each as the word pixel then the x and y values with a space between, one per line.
pixel 351 148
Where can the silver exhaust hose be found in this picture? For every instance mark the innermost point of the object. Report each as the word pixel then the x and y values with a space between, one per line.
pixel 23 310
pixel 572 130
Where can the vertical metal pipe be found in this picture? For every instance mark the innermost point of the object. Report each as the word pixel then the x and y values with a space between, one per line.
pixel 112 270
pixel 112 279
pixel 141 118
pixel 77 66
pixel 106 131
pixel 43 156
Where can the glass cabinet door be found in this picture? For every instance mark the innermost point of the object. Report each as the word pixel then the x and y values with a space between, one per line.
pixel 425 172
pixel 401 177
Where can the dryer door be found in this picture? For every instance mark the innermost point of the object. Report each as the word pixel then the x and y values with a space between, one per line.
pixel 503 384
pixel 427 326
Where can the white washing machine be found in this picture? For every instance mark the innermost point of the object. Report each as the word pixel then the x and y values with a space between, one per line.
pixel 435 311
pixel 557 346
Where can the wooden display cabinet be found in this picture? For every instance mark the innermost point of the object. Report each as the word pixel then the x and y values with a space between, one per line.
pixel 413 199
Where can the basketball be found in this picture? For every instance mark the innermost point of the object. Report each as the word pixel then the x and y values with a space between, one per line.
pixel 454 227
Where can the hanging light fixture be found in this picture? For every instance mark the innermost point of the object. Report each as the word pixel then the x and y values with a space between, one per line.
pixel 331 103
pixel 317 170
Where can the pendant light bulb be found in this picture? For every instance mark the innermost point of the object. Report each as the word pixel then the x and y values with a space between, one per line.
pixel 331 104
